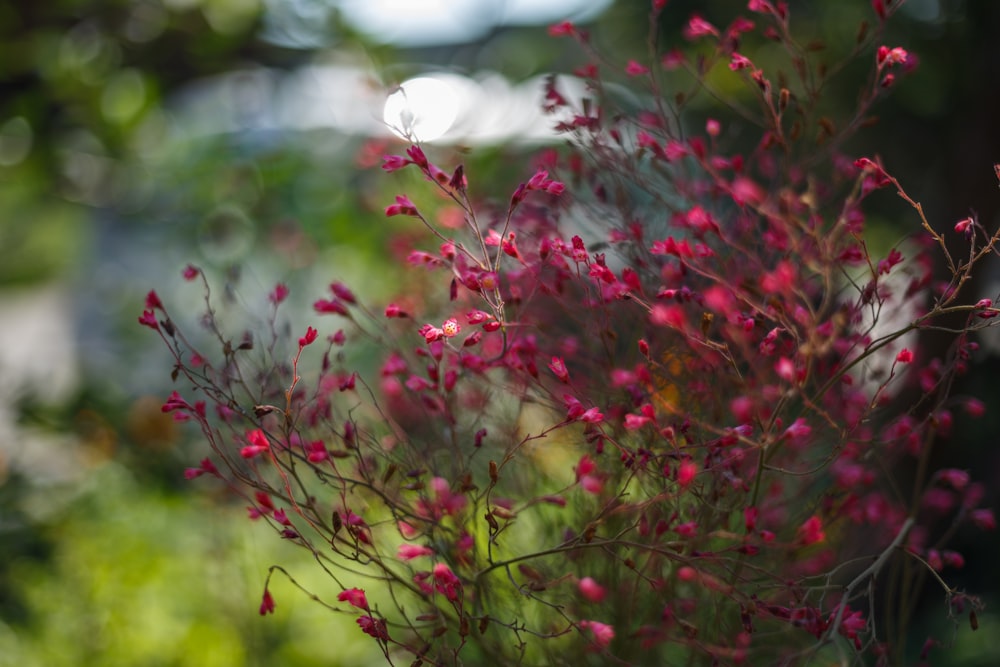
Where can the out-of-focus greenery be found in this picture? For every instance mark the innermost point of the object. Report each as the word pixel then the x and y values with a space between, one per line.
pixel 138 576
pixel 126 563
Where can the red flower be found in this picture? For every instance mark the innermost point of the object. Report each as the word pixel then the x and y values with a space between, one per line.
pixel 738 62
pixel 267 603
pixel 279 294
pixel 148 319
pixel 341 292
pixel 411 551
pixel 601 632
pixel 558 367
pixel 811 531
pixel 330 306
pixel 446 583
pixel 153 301
pixel 634 68
pixel 309 338
pixel 403 206
pixel 258 444
pixel 354 597
pixel 686 472
pixel 317 451
pixel 374 627
pixel 562 29
pixel 699 27
pixel 395 310
pixel 591 590
pixel 394 162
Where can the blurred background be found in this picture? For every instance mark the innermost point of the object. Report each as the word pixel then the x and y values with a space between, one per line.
pixel 137 136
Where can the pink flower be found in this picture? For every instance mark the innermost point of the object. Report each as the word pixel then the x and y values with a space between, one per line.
pixel 984 519
pixel 403 206
pixel 563 29
pixel 811 531
pixel 738 62
pixel 330 306
pixel 309 338
pixel 634 68
pixel 674 151
pixel 601 632
pixel 445 582
pixel 634 421
pixel 798 431
pixel 190 272
pixel 431 333
pixel 206 467
pixel 153 301
pixel 591 590
pixel 374 627
pixel 175 402
pixel 964 226
pixel 686 472
pixel 785 368
pixel 343 293
pixel 672 59
pixel 558 368
pixel 416 154
pixel 258 444
pixel 698 27
pixel 450 328
pixel 266 603
pixel 148 319
pixel 354 597
pixel 278 294
pixel 895 56
pixel 686 529
pixel 885 265
pixel 317 451
pixel 395 310
pixel 410 551
pixel 851 624
pixel 392 163
pixel 905 356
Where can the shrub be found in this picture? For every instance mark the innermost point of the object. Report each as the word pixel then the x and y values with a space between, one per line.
pixel 658 411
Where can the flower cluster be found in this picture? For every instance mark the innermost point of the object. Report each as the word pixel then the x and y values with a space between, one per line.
pixel 650 420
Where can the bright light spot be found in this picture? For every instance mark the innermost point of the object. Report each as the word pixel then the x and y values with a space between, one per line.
pixel 427 22
pixel 421 109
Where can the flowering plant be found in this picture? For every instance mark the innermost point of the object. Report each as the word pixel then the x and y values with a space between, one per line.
pixel 653 415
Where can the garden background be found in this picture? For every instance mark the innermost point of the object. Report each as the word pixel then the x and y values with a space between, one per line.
pixel 139 135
